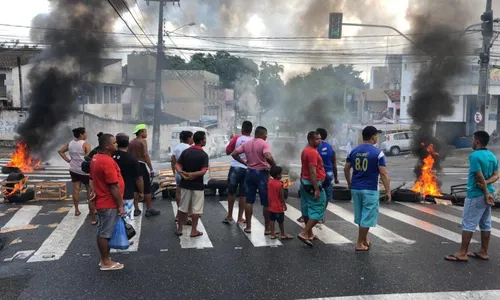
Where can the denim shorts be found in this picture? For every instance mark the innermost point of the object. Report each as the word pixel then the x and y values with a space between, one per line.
pixel 178 178
pixel 107 220
pixel 328 186
pixel 236 181
pixel 280 217
pixel 366 206
pixel 476 212
pixel 256 180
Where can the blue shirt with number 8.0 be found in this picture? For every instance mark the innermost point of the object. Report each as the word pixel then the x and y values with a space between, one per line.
pixel 365 160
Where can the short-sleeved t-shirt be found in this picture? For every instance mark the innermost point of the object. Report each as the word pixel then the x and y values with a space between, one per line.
pixel 254 151
pixel 484 161
pixel 311 157
pixel 104 171
pixel 365 160
pixel 193 159
pixel 179 149
pixel 326 151
pixel 130 170
pixel 240 140
pixel 273 194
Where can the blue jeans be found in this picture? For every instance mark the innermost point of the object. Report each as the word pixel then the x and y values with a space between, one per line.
pixel 256 180
pixel 235 179
pixel 328 186
pixel 476 212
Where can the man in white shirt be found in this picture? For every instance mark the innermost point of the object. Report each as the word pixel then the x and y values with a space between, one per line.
pixel 186 140
pixel 237 174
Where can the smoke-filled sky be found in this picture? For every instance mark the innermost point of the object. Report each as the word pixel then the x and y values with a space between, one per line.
pixel 264 18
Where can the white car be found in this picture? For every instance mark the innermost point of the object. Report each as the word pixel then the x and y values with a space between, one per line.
pixel 397 142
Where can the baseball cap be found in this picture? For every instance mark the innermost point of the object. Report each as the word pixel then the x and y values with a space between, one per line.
pixel 369 131
pixel 140 127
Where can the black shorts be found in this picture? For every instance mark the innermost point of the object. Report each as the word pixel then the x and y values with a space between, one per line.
pixel 84 179
pixel 146 178
pixel 280 217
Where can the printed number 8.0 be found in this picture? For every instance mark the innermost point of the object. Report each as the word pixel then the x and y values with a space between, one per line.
pixel 361 164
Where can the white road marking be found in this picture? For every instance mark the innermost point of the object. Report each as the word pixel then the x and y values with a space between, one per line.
pixel 257 237
pixel 20 255
pixel 324 233
pixel 465 295
pixel 380 232
pixel 421 224
pixel 189 242
pixel 429 210
pixel 54 247
pixel 136 223
pixel 22 217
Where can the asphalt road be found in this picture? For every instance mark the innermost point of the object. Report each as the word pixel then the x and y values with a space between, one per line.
pixel 406 256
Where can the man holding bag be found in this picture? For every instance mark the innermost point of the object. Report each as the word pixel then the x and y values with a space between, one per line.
pixel 109 188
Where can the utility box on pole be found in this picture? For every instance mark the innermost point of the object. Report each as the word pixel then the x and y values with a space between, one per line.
pixel 335 28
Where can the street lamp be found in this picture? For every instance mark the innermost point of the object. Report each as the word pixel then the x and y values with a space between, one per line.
pixel 185 25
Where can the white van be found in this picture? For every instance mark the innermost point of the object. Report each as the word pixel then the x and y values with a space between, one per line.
pixel 174 140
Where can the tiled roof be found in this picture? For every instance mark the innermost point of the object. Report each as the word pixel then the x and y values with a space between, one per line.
pixel 394 95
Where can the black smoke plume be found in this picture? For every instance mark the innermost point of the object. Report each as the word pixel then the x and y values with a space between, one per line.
pixel 440 56
pixel 56 74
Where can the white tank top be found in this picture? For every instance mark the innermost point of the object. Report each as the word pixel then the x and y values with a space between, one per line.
pixel 77 156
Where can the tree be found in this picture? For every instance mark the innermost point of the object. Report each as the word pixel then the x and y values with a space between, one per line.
pixel 271 86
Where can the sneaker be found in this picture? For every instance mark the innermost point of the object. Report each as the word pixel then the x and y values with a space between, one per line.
pixel 152 212
pixel 137 212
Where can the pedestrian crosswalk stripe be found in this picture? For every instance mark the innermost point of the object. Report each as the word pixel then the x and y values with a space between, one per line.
pixel 424 225
pixel 257 237
pixel 493 218
pixel 200 242
pixel 21 218
pixel 54 247
pixel 461 295
pixel 443 215
pixel 325 234
pixel 137 224
pixel 378 231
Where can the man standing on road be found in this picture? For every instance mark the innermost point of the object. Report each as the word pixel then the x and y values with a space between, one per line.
pixel 329 158
pixel 368 163
pixel 186 140
pixel 131 174
pixel 312 194
pixel 192 166
pixel 138 147
pixel 258 161
pixel 237 174
pixel 109 188
pixel 483 172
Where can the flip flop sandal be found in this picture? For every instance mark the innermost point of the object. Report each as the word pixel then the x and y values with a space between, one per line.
pixel 247 230
pixel 189 222
pixel 476 255
pixel 273 237
pixel 94 223
pixel 453 257
pixel 361 250
pixel 177 233
pixel 315 237
pixel 114 267
pixel 197 234
pixel 228 221
pixel 305 241
pixel 286 237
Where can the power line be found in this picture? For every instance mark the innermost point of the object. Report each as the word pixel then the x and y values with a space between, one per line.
pixel 126 24
pixel 138 24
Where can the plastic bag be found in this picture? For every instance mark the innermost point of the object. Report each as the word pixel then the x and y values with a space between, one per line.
pixel 119 239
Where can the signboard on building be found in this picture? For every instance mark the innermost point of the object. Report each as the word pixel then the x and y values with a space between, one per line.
pixel 478 117
pixel 208 120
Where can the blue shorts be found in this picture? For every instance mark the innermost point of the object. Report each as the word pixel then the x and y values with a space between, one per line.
pixel 280 217
pixel 311 208
pixel 256 180
pixel 328 186
pixel 236 179
pixel 476 212
pixel 178 178
pixel 366 203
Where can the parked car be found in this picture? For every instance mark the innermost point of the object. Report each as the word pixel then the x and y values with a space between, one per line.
pixel 397 142
pixel 221 141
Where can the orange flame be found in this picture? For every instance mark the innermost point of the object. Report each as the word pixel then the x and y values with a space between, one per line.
pixel 21 159
pixel 18 187
pixel 427 182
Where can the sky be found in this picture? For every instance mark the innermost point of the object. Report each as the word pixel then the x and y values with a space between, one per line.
pixel 253 19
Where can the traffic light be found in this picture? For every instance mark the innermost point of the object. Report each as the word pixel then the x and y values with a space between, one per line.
pixel 487 26
pixel 335 28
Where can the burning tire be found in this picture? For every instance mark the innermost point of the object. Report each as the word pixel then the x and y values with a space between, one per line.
pixel 8 170
pixel 341 193
pixel 210 192
pixel 21 198
pixel 222 192
pixel 405 195
pixel 217 184
pixel 168 193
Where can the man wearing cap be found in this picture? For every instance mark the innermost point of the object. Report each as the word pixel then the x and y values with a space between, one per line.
pixel 368 164
pixel 131 173
pixel 138 148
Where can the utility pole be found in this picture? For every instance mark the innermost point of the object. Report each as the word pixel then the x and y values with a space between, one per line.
pixel 483 100
pixel 158 80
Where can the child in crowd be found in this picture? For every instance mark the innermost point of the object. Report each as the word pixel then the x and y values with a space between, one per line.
pixel 277 205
